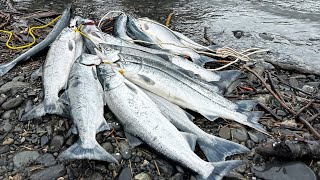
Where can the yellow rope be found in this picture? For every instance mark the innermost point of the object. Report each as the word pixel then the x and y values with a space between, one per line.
pixel 168 19
pixel 31 34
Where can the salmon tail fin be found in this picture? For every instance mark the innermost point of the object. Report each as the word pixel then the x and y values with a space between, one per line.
pixel 36 112
pixel 220 148
pixel 76 151
pixel 220 169
pixel 6 67
pixel 56 107
pixel 202 60
pixel 252 120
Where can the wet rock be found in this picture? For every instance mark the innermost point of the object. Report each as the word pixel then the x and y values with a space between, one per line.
pixel 125 174
pixel 165 167
pixel 52 172
pixel 239 134
pixel 309 88
pixel 177 176
pixel 12 103
pixel 257 136
pixel 125 150
pixel 95 176
pixel 56 143
pixel 250 144
pixel 281 113
pixel 266 36
pixel 284 171
pixel 24 158
pixel 44 140
pixel 232 175
pixel 8 114
pixel 4 149
pixel 13 85
pixel 294 82
pixel 5 126
pixel 3 98
pixel 8 141
pixel 18 78
pixel 238 34
pixel 142 176
pixel 2 161
pixel 117 156
pixel 108 147
pixel 47 160
pixel 225 133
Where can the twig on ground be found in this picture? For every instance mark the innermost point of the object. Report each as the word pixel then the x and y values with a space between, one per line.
pixel 206 37
pixel 306 123
pixel 158 170
pixel 303 108
pixel 270 111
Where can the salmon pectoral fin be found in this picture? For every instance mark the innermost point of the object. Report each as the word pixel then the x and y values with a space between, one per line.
pixel 132 140
pixel 191 139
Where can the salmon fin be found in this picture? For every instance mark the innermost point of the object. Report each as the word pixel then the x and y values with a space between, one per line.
pixel 75 151
pixel 252 120
pixel 36 74
pixel 190 117
pixel 74 129
pixel 132 140
pixel 36 112
pixel 202 60
pixel 221 169
pixel 190 138
pixel 214 47
pixel 227 78
pixel 55 107
pixel 104 126
pixel 64 98
pixel 220 148
pixel 6 67
pixel 210 117
pixel 246 105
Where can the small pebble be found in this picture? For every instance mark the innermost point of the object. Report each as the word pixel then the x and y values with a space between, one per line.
pixel 8 141
pixel 225 132
pixel 239 134
pixel 125 174
pixel 56 143
pixel 12 103
pixel 142 176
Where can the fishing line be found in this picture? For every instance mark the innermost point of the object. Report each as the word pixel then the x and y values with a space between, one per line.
pixel 31 34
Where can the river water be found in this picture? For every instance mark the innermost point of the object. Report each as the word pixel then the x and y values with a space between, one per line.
pixel 289 29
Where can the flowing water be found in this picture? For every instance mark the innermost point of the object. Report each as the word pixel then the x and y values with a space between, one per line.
pixel 289 29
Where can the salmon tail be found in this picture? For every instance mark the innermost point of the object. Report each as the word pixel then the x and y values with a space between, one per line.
pixel 202 60
pixel 42 109
pixel 252 121
pixel 226 79
pixel 220 148
pixel 6 67
pixel 55 107
pixel 246 105
pixel 221 169
pixel 75 151
pixel 36 112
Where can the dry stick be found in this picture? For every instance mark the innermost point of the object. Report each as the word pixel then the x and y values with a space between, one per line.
pixel 158 170
pixel 306 123
pixel 295 88
pixel 313 117
pixel 206 37
pixel 270 111
pixel 303 108
pixel 273 86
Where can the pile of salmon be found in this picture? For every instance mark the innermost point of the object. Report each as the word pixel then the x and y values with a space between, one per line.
pixel 148 76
